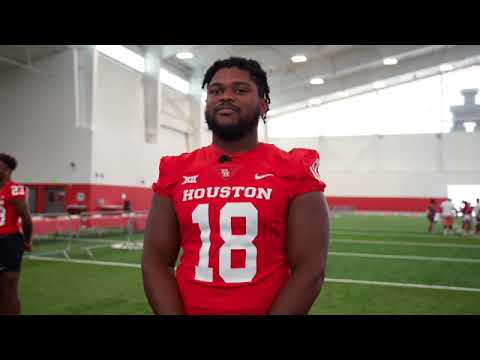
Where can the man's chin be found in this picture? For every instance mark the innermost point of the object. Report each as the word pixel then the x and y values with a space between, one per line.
pixel 230 129
pixel 230 133
pixel 226 121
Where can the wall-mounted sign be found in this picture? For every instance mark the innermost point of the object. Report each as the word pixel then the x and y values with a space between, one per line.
pixel 80 196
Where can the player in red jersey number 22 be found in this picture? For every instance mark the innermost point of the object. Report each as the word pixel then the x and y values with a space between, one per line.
pixel 251 219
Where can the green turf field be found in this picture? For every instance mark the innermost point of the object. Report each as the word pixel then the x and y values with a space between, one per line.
pixel 376 265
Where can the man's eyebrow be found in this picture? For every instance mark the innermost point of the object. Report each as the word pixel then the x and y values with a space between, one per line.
pixel 234 83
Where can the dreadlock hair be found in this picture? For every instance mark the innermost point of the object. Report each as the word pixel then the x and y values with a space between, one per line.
pixel 10 161
pixel 259 76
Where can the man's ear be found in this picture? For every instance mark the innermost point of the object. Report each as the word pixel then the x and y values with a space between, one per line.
pixel 263 108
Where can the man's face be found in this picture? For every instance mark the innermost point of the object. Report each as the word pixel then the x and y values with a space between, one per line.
pixel 4 171
pixel 233 104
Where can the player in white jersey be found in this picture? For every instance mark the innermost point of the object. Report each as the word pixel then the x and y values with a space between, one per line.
pixel 448 212
pixel 476 210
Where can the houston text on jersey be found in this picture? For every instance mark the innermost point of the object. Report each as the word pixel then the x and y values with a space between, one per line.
pixel 227 192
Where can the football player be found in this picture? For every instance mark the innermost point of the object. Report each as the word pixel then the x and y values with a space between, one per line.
pixel 251 219
pixel 13 206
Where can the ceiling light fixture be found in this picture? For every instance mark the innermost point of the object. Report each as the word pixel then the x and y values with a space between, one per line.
pixel 390 61
pixel 317 81
pixel 446 67
pixel 315 101
pixel 184 55
pixel 299 58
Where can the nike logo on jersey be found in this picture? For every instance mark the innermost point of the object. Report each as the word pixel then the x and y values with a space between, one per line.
pixel 260 177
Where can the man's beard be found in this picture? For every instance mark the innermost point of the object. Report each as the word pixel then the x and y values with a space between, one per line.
pixel 233 132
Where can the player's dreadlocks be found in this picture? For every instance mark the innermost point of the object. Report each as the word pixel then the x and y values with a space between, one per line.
pixel 258 75
pixel 10 161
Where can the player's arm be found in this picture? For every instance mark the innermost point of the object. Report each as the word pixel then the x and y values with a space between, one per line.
pixel 307 247
pixel 161 247
pixel 27 226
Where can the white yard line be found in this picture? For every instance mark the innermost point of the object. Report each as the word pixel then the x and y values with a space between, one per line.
pixel 405 243
pixel 385 283
pixel 90 262
pixel 386 234
pixel 334 280
pixel 403 257
pixel 77 240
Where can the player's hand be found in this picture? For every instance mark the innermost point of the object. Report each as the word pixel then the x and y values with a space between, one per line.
pixel 27 246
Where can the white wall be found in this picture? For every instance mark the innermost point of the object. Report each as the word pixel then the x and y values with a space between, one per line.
pixel 37 125
pixel 41 126
pixel 396 165
pixel 37 122
pixel 120 152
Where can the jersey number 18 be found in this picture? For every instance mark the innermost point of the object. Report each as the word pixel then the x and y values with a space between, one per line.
pixel 3 215
pixel 246 210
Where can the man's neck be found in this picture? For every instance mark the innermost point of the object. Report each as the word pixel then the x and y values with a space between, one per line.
pixel 246 143
pixel 4 181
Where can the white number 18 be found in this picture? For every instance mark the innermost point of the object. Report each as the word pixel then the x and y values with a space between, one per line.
pixel 231 242
pixel 3 215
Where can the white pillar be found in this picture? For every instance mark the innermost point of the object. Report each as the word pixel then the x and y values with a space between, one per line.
pixel 152 90
pixel 200 136
pixel 84 62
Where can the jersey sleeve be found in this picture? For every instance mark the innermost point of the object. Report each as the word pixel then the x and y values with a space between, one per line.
pixel 307 177
pixel 166 177
pixel 18 192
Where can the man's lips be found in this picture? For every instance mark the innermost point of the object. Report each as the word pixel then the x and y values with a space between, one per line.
pixel 226 110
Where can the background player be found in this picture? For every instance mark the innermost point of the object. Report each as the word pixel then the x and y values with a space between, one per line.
pixel 13 206
pixel 448 212
pixel 477 217
pixel 466 210
pixel 431 210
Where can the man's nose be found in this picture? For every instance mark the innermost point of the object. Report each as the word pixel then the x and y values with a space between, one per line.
pixel 228 95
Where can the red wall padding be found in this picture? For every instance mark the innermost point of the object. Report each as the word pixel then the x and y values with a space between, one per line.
pixel 382 203
pixel 140 198
pixel 106 221
pixel 62 224
pixel 73 224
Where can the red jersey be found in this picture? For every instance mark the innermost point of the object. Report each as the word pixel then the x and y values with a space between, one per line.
pixel 8 213
pixel 431 209
pixel 467 209
pixel 233 220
